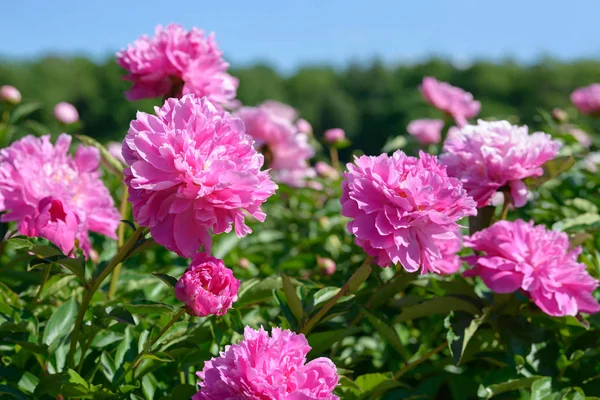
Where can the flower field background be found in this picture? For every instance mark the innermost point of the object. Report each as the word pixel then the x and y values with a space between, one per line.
pixel 197 230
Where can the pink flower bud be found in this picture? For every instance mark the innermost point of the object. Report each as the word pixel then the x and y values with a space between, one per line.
pixel 208 287
pixel 326 265
pixel 587 99
pixel 334 135
pixel 244 263
pixel 326 171
pixel 560 115
pixel 304 126
pixel 10 94
pixel 66 113
pixel 581 136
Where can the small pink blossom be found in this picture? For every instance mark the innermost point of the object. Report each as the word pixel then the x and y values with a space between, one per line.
pixel 401 206
pixel 286 148
pixel 193 172
pixel 207 287
pixel 326 265
pixel 426 131
pixel 334 135
pixel 587 99
pixel 263 367
pixel 10 94
pixel 304 126
pixel 51 194
pixel 175 62
pixel 492 156
pixel 66 113
pixel 327 171
pixel 520 256
pixel 450 99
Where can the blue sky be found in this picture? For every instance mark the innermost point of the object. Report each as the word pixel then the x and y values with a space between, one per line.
pixel 292 33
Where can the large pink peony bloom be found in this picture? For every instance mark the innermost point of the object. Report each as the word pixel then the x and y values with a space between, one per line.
pixel 450 99
pixel 268 368
pixel 287 149
pixel 175 62
pixel 401 206
pixel 207 287
pixel 193 172
pixel 491 156
pixel 587 99
pixel 53 195
pixel 426 131
pixel 518 255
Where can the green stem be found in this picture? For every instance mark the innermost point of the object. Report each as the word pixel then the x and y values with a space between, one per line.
pixel 335 160
pixel 120 240
pixel 424 358
pixel 505 205
pixel 121 255
pixel 45 275
pixel 365 269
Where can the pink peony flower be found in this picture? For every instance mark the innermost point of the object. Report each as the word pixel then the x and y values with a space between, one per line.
pixel 114 149
pixel 304 126
pixel 10 94
pixel 193 172
pixel 450 262
pixel 207 287
pixel 587 99
pixel 450 99
pixel 491 156
pixel 326 265
pixel 334 135
pixel 326 171
pixel 175 62
pixel 263 367
pixel 287 150
pixel 401 206
pixel 53 195
pixel 518 255
pixel 426 131
pixel 66 113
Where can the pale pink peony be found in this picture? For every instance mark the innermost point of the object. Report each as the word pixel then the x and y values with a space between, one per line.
pixel 334 135
pixel 10 94
pixel 520 256
pixel 327 171
pixel 326 265
pixel 66 113
pixel 587 99
pixel 115 150
pixel 207 287
pixel 287 149
pixel 268 368
pixel 450 99
pixel 426 131
pixel 493 156
pixel 53 195
pixel 193 172
pixel 175 62
pixel 401 206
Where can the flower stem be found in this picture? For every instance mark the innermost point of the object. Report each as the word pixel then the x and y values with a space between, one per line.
pixel 505 205
pixel 121 255
pixel 424 358
pixel 120 240
pixel 335 160
pixel 363 272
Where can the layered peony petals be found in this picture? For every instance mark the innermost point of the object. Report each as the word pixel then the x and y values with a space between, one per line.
pixel 450 99
pixel 426 131
pixel 587 99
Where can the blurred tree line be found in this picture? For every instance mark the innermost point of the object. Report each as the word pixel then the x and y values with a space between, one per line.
pixel 371 102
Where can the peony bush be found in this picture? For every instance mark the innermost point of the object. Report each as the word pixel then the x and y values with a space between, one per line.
pixel 225 251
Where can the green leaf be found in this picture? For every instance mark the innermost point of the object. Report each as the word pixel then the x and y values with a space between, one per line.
pixel 28 382
pixel 168 279
pixel 122 315
pixel 257 290
pixel 123 348
pixel 61 322
pixel 373 384
pixel 22 111
pixel 584 222
pixel 461 328
pixel 108 366
pixel 541 389
pixel 182 392
pixel 398 283
pixel 112 162
pixel 394 144
pixel 437 305
pixel 387 332
pixel 552 169
pixel 490 391
pixel 74 384
pixel 291 296
pixel 322 341
pixel 7 392
pixel 9 297
pixel 147 307
pixel 359 277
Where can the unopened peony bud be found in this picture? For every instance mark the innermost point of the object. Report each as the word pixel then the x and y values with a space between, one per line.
pixel 304 126
pixel 326 265
pixel 560 115
pixel 334 135
pixel 10 94
pixel 244 263
pixel 66 113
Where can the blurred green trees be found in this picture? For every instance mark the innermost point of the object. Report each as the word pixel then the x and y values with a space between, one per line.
pixel 371 102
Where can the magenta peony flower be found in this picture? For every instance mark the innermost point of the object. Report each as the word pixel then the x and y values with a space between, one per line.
pixel 10 94
pixel 492 156
pixel 263 367
pixel 327 171
pixel 175 62
pixel 450 262
pixel 426 131
pixel 400 206
pixel 326 265
pixel 66 113
pixel 193 172
pixel 518 255
pixel 287 150
pixel 450 99
pixel 53 195
pixel 334 135
pixel 587 99
pixel 207 287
